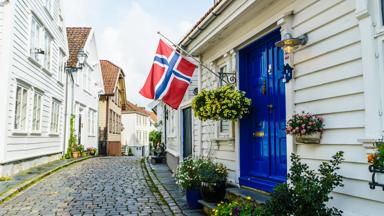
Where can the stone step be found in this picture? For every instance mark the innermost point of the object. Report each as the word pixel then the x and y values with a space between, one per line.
pixel 259 197
pixel 207 207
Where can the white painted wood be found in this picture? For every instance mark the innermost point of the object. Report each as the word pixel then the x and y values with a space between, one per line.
pixel 87 99
pixel 370 68
pixel 329 79
pixel 16 66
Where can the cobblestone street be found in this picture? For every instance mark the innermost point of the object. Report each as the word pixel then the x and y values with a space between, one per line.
pixel 98 186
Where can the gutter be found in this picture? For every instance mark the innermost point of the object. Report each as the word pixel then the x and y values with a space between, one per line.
pixel 204 22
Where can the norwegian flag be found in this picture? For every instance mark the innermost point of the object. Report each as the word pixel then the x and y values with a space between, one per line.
pixel 170 76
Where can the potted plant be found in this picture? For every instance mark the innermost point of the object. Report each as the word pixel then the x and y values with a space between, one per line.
pixel 213 180
pixel 306 127
pixel 91 151
pixel 225 102
pixel 75 151
pixel 187 177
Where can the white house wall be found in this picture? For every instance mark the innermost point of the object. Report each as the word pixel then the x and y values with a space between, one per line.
pixel 328 80
pixel 21 146
pixel 87 99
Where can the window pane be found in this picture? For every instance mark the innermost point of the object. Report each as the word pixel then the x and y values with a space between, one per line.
pixel 18 107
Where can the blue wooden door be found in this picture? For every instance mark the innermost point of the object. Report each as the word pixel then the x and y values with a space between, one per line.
pixel 263 157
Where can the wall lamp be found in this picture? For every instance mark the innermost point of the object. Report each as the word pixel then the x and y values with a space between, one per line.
pixel 289 43
pixel 81 59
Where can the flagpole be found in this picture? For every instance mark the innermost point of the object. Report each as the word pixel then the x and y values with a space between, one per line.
pixel 191 56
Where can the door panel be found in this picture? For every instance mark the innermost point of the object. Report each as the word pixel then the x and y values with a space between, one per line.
pixel 262 133
pixel 187 132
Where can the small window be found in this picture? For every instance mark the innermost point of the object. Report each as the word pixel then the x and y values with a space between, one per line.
pixel 222 72
pixel 382 11
pixel 36 112
pixel 55 117
pixel 47 50
pixel 91 122
pixel 35 39
pixel 21 108
pixel 61 67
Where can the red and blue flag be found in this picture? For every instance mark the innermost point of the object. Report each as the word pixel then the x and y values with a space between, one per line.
pixel 170 76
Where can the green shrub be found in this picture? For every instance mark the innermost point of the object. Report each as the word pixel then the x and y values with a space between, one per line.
pixel 212 172
pixel 308 191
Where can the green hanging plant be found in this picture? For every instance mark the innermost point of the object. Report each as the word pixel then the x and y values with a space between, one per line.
pixel 225 103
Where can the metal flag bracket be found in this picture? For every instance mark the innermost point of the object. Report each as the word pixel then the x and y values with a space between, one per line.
pixel 227 78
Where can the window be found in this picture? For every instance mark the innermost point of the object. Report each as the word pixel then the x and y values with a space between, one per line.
pixel 47 50
pixel 21 108
pixel 85 78
pixel 224 125
pixel 36 112
pixel 382 11
pixel 49 5
pixel 60 67
pixel 89 81
pixel 91 122
pixel 35 39
pixel 55 114
pixel 110 121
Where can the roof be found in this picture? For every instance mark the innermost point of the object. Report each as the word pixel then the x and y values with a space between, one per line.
pixel 111 74
pixel 77 37
pixel 141 110
pixel 216 4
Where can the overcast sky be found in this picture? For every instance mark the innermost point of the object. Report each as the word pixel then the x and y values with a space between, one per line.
pixel 126 31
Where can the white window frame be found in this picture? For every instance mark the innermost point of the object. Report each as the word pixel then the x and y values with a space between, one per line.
pixel 38 112
pixel 172 123
pixel 24 100
pixel 47 59
pixel 35 39
pixel 61 66
pixel 54 126
pixel 49 6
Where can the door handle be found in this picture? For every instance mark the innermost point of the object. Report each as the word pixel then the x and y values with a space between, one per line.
pixel 258 134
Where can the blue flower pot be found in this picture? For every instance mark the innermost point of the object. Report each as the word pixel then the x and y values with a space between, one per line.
pixel 193 196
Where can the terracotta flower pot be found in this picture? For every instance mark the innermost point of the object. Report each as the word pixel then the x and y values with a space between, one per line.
pixel 313 138
pixel 75 154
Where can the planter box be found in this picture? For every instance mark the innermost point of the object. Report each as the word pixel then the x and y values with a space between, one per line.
pixel 309 139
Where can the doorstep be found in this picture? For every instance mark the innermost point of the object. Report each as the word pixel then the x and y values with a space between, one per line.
pixel 26 178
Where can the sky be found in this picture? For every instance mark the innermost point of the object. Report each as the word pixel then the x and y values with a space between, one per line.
pixel 126 31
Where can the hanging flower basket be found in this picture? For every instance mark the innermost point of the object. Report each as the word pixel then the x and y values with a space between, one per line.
pixel 223 103
pixel 307 128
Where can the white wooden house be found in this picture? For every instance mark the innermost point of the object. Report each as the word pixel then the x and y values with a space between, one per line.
pixel 84 86
pixel 137 124
pixel 33 48
pixel 338 74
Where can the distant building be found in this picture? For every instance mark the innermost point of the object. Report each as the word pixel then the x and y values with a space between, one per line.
pixel 84 87
pixel 33 49
pixel 111 104
pixel 137 123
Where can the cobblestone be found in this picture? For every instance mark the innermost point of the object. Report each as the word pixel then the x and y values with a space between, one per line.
pixel 98 186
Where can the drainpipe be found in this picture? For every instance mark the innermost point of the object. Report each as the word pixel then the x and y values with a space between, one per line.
pixel 65 114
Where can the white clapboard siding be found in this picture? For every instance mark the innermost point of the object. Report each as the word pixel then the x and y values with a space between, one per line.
pixel 329 82
pixel 20 146
pixel 1 27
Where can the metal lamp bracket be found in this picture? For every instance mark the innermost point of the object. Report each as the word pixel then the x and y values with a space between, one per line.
pixel 287 73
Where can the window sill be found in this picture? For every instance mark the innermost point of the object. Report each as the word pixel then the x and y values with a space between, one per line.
pixel 87 92
pixel 34 61
pixel 47 71
pixel 60 83
pixel 223 139
pixel 20 133
pixel 36 133
pixel 54 135
pixel 91 135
